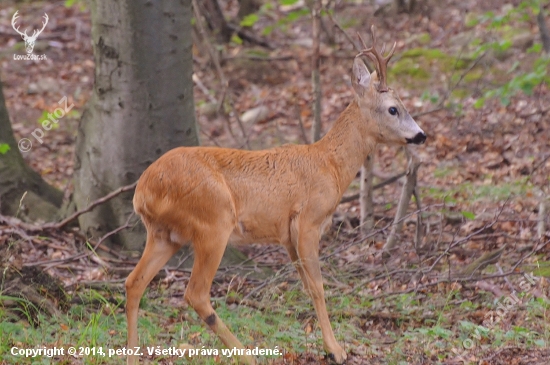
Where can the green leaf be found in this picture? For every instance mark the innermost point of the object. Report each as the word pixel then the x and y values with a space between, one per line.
pixel 293 15
pixel 236 39
pixel 468 215
pixel 4 148
pixel 249 20
pixel 536 48
pixel 288 2
pixel 267 30
pixel 540 343
pixel 479 103
pixel 514 66
pixel 505 100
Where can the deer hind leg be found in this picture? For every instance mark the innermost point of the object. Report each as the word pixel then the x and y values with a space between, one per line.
pixel 156 254
pixel 304 252
pixel 209 249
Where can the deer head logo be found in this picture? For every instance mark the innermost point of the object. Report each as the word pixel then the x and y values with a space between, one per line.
pixel 29 40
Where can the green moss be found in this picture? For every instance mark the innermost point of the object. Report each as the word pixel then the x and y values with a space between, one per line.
pixel 408 66
pixel 542 270
pixel 426 53
pixel 473 75
pixel 473 192
pixel 460 93
pixel 417 63
pixel 424 38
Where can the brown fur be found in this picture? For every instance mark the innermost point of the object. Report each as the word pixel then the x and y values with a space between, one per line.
pixel 286 195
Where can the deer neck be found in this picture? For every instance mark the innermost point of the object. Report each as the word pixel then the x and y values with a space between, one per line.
pixel 348 144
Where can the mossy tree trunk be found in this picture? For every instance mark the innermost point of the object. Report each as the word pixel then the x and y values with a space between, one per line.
pixel 41 201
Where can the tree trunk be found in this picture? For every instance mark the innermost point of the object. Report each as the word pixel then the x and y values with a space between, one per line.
pixel 247 7
pixel 215 19
pixel 543 30
pixel 315 73
pixel 406 194
pixel 365 195
pixel 141 106
pixel 41 201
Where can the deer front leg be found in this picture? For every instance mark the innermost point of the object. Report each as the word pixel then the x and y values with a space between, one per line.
pixel 306 259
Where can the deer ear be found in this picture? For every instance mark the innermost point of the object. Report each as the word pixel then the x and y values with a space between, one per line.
pixel 361 76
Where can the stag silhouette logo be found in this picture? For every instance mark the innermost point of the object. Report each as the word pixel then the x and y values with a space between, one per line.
pixel 30 40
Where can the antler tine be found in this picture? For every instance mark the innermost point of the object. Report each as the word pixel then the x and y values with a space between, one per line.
pixel 46 18
pixel 378 58
pixel 390 53
pixel 365 48
pixel 367 51
pixel 14 20
pixel 382 62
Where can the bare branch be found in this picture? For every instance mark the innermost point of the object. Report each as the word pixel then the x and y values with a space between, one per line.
pixel 94 204
pixel 406 194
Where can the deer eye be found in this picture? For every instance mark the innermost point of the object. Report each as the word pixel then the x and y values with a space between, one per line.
pixel 393 110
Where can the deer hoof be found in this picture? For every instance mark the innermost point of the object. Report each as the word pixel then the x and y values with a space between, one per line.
pixel 339 358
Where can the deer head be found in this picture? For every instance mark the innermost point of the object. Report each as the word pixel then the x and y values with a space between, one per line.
pixel 29 40
pixel 380 103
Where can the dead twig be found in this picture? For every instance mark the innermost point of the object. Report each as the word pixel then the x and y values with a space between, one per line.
pixel 349 198
pixel 482 262
pixel 56 262
pixel 483 285
pixel 94 204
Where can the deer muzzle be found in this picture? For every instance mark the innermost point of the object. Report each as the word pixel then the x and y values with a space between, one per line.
pixel 420 138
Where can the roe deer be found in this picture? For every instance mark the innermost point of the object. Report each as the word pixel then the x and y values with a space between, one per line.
pixel 207 197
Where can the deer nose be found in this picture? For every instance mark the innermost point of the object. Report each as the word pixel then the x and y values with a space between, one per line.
pixel 418 139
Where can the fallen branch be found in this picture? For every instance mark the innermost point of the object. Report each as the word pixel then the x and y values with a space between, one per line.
pixel 21 228
pixel 247 35
pixel 94 204
pixel 483 285
pixel 349 198
pixel 482 262
pixel 98 245
pixel 511 272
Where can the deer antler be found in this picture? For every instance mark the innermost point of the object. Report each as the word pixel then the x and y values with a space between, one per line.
pixel 380 62
pixel 13 21
pixel 36 33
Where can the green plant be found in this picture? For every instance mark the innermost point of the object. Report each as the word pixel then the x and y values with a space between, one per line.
pixel 4 148
pixel 519 81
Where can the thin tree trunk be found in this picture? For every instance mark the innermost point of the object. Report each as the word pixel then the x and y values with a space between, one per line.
pixel 315 74
pixel 543 29
pixel 142 105
pixel 406 194
pixel 247 7
pixel 215 19
pixel 366 195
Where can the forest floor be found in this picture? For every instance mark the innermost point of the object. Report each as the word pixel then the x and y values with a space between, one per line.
pixel 484 174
